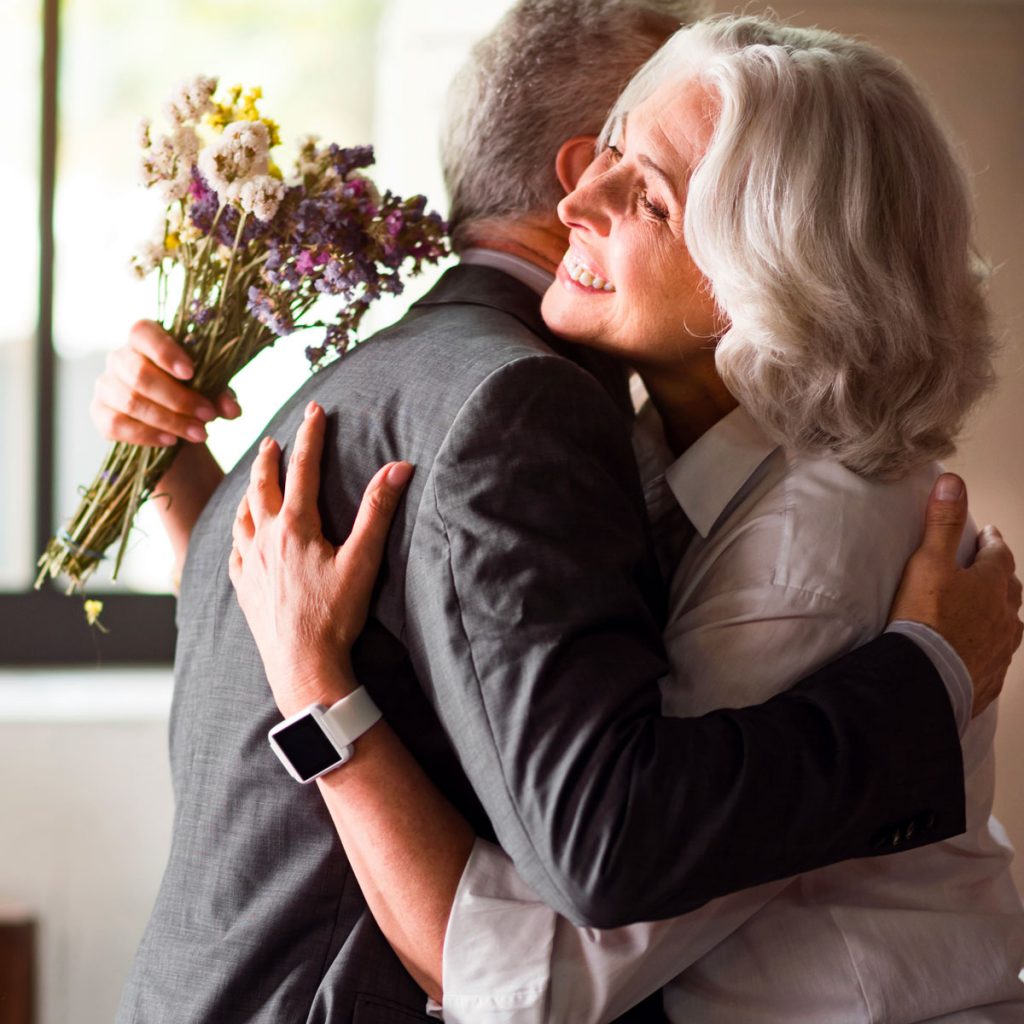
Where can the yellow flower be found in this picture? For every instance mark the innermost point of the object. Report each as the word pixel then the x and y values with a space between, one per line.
pixel 172 241
pixel 242 105
pixel 93 610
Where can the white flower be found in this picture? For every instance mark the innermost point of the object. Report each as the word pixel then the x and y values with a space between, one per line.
pixel 173 114
pixel 261 196
pixel 168 162
pixel 241 153
pixel 157 163
pixel 148 258
pixel 174 220
pixel 190 234
pixel 191 100
pixel 309 162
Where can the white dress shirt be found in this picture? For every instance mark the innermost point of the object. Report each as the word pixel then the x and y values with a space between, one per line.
pixel 947 662
pixel 795 561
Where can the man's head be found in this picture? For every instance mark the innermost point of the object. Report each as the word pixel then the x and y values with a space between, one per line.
pixel 550 70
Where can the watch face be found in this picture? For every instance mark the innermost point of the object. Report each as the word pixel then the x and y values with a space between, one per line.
pixel 305 745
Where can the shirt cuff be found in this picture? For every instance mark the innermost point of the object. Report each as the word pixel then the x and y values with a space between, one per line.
pixel 498 946
pixel 948 664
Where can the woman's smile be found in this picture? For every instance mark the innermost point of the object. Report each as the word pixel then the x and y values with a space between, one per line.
pixel 576 271
pixel 627 283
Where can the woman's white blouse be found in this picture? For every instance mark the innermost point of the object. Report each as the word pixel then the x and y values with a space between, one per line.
pixel 795 561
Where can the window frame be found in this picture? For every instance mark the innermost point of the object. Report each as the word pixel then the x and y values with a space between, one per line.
pixel 46 627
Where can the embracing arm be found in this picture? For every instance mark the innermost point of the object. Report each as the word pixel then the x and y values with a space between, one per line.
pixel 305 603
pixel 381 803
pixel 527 622
pixel 407 845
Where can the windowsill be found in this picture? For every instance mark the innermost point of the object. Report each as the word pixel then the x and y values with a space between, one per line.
pixel 85 695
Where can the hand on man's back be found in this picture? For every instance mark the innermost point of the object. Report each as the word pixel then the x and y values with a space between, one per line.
pixel 977 609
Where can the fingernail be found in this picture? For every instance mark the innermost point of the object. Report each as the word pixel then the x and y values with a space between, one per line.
pixel 183 370
pixel 398 475
pixel 949 488
pixel 265 444
pixel 310 409
pixel 205 413
pixel 168 439
pixel 196 433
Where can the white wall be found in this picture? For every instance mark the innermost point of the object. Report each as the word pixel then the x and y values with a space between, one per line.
pixel 85 816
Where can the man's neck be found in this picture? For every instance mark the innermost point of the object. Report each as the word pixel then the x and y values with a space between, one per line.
pixel 541 241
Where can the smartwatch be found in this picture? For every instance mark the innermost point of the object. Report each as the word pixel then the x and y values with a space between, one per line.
pixel 317 739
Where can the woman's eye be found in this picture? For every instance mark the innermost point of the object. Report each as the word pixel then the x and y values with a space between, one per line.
pixel 654 209
pixel 614 152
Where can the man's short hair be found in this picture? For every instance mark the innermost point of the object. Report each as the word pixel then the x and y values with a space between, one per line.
pixel 549 70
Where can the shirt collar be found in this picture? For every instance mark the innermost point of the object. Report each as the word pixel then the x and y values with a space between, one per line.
pixel 713 470
pixel 522 270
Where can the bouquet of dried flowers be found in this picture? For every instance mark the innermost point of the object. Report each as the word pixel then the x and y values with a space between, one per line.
pixel 252 254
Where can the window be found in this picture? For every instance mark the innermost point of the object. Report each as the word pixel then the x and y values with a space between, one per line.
pixel 80 74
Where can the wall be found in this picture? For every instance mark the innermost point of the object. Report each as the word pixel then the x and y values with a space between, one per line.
pixel 970 58
pixel 85 832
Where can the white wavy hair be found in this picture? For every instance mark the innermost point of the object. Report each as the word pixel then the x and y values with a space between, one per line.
pixel 834 224
pixel 549 70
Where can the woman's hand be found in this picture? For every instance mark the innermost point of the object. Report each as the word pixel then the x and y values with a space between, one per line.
pixel 140 397
pixel 305 600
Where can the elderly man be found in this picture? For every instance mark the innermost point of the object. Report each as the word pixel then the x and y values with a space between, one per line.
pixel 515 642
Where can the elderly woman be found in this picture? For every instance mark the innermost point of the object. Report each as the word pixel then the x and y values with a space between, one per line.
pixel 775 236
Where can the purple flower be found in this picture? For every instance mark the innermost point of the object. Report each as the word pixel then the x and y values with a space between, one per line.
pixel 269 313
pixel 202 211
pixel 347 160
pixel 354 189
pixel 198 314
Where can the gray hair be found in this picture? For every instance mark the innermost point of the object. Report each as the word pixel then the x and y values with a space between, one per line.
pixel 550 70
pixel 834 224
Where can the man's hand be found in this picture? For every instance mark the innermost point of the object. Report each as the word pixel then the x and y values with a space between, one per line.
pixel 976 609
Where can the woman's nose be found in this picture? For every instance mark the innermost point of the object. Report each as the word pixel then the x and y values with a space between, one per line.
pixel 587 207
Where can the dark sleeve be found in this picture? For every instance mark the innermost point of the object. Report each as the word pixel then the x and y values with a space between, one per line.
pixel 529 626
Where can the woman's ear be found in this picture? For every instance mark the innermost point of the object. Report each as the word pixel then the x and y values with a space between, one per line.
pixel 574 155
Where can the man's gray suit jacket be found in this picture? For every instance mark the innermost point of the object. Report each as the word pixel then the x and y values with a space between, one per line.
pixel 515 646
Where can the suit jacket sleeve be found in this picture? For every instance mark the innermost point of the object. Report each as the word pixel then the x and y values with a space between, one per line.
pixel 527 621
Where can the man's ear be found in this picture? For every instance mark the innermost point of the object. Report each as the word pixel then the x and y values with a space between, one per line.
pixel 573 157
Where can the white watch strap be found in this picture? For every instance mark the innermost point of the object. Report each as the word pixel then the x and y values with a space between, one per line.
pixel 351 716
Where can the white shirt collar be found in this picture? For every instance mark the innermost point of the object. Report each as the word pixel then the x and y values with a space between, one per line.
pixel 712 471
pixel 515 266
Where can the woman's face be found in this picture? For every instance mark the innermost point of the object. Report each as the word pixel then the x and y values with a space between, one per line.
pixel 627 284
